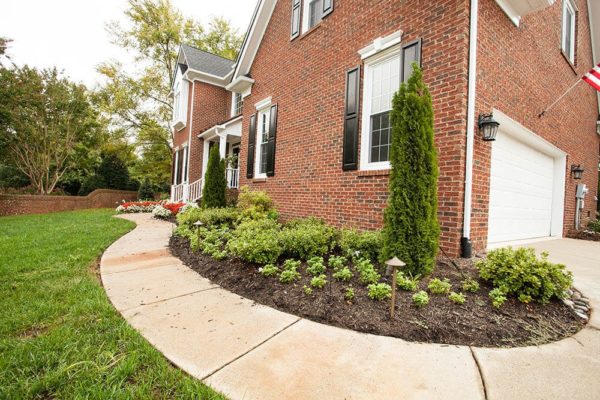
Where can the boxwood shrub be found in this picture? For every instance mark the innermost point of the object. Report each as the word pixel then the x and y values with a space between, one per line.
pixel 210 217
pixel 361 244
pixel 256 241
pixel 306 238
pixel 519 272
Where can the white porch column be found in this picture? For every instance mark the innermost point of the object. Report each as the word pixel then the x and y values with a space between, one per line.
pixel 205 154
pixel 222 144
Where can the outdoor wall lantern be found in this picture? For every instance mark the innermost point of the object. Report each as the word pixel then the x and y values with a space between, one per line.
pixel 488 127
pixel 576 171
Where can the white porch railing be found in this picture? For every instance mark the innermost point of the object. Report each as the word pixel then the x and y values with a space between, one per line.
pixel 177 192
pixel 233 178
pixel 195 190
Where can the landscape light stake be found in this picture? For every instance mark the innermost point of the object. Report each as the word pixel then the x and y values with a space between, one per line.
pixel 393 265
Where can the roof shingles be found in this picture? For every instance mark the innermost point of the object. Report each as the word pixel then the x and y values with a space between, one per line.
pixel 208 63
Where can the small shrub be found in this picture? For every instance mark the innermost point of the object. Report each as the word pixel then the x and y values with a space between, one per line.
pixel 318 282
pixel 519 272
pixel 380 291
pixel 291 265
pixel 470 285
pixel 343 274
pixel 337 262
pixel 407 283
pixel 290 272
pixel 367 273
pixel 349 294
pixel 308 290
pixel 594 225
pixel 457 298
pixel 210 217
pixel 437 286
pixel 498 297
pixel 420 299
pixel 315 266
pixel 255 204
pixel 357 245
pixel 306 238
pixel 161 213
pixel 256 241
pixel 269 270
pixel 219 255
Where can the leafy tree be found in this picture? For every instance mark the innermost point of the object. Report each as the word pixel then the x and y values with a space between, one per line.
pixel 4 43
pixel 47 124
pixel 113 171
pixel 215 183
pixel 146 192
pixel 138 102
pixel 411 229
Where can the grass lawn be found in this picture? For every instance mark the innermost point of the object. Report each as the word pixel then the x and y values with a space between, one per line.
pixel 59 335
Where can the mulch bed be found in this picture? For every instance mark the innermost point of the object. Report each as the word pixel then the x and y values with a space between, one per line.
pixel 475 323
pixel 585 235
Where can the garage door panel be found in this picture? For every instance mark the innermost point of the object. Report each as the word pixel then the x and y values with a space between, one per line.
pixel 521 191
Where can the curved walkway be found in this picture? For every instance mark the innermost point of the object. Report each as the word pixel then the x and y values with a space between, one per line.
pixel 249 351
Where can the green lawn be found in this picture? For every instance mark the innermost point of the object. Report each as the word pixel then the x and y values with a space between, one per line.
pixel 59 335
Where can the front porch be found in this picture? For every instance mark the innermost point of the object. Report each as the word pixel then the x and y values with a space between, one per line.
pixel 227 136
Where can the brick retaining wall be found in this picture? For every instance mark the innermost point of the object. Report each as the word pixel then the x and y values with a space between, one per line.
pixel 34 204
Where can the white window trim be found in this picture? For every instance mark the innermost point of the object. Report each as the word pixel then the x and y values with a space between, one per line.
pixel 233 105
pixel 185 176
pixel 568 5
pixel 365 128
pixel 180 110
pixel 380 44
pixel 305 16
pixel 262 108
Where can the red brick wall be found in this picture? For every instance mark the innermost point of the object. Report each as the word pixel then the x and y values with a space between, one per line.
pixel 306 77
pixel 521 70
pixel 32 204
pixel 211 107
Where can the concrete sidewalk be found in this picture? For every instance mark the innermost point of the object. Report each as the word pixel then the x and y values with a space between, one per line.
pixel 249 351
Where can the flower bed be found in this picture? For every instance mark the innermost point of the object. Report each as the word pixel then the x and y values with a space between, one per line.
pixel 159 209
pixel 335 276
pixel 137 207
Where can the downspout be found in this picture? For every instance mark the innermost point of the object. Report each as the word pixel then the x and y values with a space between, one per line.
pixel 466 248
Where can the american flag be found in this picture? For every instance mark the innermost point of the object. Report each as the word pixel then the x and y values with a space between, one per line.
pixel 593 77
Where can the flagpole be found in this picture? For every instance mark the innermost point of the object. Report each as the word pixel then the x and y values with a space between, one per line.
pixel 540 115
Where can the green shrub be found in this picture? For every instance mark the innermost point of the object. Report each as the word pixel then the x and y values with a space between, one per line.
pixel 145 191
pixel 318 282
pixel 411 230
pixel 594 225
pixel 519 272
pixel 457 298
pixel 470 285
pixel 420 299
pixel 256 241
pixel 255 204
pixel 269 270
pixel 357 245
pixel 367 273
pixel 379 291
pixel 114 172
pixel 315 266
pixel 306 238
pixel 290 271
pixel 498 297
pixel 349 294
pixel 343 274
pixel 337 262
pixel 437 286
pixel 308 290
pixel 407 283
pixel 215 182
pixel 210 217
pixel 91 183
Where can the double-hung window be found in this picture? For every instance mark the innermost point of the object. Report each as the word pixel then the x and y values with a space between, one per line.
pixel 238 104
pixel 176 101
pixel 315 9
pixel 568 30
pixel 262 140
pixel 381 81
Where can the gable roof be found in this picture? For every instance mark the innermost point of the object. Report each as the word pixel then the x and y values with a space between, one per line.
pixel 203 61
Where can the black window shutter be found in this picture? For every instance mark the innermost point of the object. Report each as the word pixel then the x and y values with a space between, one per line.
pixel 411 52
pixel 251 147
pixel 350 151
pixel 296 13
pixel 272 141
pixel 327 8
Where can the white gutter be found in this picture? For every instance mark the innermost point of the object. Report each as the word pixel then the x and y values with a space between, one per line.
pixel 189 152
pixel 470 126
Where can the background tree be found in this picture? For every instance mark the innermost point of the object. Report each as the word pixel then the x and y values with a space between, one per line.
pixel 215 183
pixel 46 124
pixel 137 97
pixel 411 229
pixel 4 57
pixel 146 192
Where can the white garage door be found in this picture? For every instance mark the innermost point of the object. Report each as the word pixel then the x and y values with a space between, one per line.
pixel 521 191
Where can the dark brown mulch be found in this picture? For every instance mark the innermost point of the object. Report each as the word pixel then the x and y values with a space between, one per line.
pixel 475 323
pixel 585 235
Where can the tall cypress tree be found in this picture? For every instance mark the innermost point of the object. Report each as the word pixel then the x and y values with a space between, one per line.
pixel 215 184
pixel 411 230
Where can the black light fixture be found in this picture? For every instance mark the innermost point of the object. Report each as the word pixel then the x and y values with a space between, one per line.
pixel 576 171
pixel 598 125
pixel 488 127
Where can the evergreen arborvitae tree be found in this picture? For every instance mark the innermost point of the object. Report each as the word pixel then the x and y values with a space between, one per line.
pixel 215 184
pixel 145 192
pixel 411 229
pixel 113 171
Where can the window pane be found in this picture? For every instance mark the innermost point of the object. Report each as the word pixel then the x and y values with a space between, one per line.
pixel 315 9
pixel 410 56
pixel 380 137
pixel 384 83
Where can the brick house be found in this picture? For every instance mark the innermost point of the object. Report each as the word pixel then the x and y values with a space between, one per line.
pixel 305 106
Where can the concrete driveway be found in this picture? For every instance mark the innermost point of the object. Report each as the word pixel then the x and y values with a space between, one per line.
pixel 249 351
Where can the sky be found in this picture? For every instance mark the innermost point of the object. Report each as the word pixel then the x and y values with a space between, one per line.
pixel 71 35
